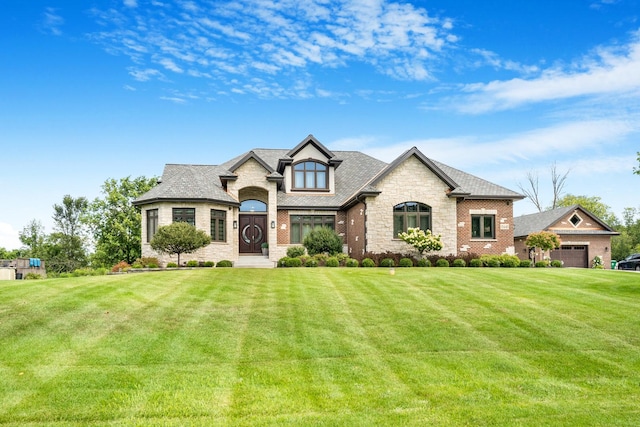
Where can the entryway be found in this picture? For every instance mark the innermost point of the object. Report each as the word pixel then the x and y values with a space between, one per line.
pixel 253 233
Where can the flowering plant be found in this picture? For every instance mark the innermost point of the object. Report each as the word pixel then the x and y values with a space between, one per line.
pixel 423 241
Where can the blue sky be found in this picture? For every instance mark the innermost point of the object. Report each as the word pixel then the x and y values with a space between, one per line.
pixel 92 90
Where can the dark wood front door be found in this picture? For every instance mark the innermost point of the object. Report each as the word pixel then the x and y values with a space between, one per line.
pixel 253 232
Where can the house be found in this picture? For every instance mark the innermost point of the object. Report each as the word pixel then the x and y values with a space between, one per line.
pixel 277 196
pixel 583 235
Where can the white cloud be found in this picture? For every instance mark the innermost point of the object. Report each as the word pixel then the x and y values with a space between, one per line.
pixel 276 39
pixel 9 238
pixel 144 75
pixel 52 21
pixel 607 71
pixel 471 151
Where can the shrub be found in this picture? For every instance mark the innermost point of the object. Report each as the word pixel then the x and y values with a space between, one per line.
pixel 442 262
pixel 321 258
pixel 510 262
pixel 556 263
pixel 332 262
pixel 136 265
pixel 526 263
pixel 459 262
pixel 294 262
pixel 368 262
pixel 405 262
pixel 146 262
pixel 192 263
pixel 152 265
pixel 172 265
pixel 352 262
pixel 32 276
pixel 423 262
pixel 121 266
pixel 224 263
pixel 476 262
pixel 311 262
pixel 542 264
pixel 342 257
pixel 387 262
pixel 323 240
pixel 296 251
pixel 209 264
pixel 282 262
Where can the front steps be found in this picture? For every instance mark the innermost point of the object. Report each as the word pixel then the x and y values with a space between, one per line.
pixel 257 261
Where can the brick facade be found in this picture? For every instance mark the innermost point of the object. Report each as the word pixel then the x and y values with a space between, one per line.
pixel 503 212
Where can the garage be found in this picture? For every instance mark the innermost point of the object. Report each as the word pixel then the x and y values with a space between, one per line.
pixel 572 256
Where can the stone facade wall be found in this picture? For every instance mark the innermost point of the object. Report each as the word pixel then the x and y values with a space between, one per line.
pixel 411 181
pixel 215 251
pixel 503 211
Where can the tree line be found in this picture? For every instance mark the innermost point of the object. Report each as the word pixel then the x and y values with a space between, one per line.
pixel 98 233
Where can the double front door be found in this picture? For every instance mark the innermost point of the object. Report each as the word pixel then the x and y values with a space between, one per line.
pixel 253 233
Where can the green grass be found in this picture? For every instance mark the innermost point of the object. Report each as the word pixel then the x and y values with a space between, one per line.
pixel 325 347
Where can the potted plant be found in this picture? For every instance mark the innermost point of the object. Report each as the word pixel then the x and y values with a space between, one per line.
pixel 265 249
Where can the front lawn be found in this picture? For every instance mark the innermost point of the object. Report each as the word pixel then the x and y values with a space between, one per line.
pixel 357 347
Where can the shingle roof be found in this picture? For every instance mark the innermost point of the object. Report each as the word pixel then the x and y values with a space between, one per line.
pixel 358 174
pixel 532 223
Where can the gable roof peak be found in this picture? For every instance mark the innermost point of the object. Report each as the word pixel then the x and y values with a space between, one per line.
pixel 313 141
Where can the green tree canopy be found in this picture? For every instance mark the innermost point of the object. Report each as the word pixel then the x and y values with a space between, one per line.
pixel 179 238
pixel 637 169
pixel 33 237
pixel 115 222
pixel 545 240
pixel 64 249
pixel 593 204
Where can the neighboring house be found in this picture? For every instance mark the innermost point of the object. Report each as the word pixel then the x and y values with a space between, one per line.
pixel 277 196
pixel 583 235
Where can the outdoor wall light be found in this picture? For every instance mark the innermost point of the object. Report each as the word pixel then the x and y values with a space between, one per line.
pixel 235 225
pixel 273 224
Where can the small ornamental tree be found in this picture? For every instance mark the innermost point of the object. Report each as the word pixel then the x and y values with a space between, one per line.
pixel 544 240
pixel 179 238
pixel 423 241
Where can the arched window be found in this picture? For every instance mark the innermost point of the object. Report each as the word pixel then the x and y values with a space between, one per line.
pixel 411 215
pixel 253 206
pixel 310 175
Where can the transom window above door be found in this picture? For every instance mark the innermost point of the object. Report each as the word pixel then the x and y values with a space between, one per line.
pixel 310 175
pixel 411 215
pixel 253 206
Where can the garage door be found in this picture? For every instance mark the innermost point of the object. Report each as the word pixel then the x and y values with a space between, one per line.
pixel 572 255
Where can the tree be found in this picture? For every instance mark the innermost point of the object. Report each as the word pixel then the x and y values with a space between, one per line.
pixel 115 222
pixel 64 250
pixel 637 170
pixel 532 190
pixel 423 241
pixel 179 238
pixel 593 204
pixel 544 240
pixel 33 237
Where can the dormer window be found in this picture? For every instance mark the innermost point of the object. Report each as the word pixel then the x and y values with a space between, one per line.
pixel 310 175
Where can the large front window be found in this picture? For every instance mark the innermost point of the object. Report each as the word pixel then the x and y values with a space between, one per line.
pixel 187 215
pixel 411 215
pixel 310 175
pixel 152 223
pixel 218 225
pixel 483 227
pixel 301 225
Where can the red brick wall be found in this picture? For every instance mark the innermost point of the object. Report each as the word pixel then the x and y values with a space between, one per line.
pixel 503 225
pixel 355 229
pixel 283 227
